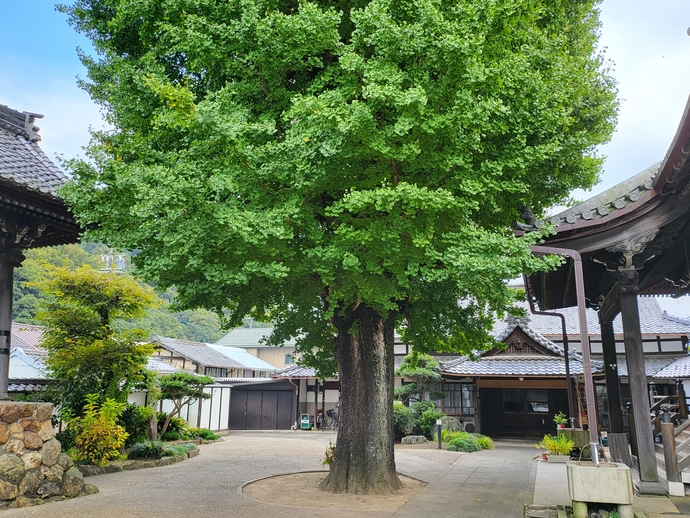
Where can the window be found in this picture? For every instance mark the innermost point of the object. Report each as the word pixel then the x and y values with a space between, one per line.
pixel 513 400
pixel 537 401
pixel 289 359
pixel 458 400
pixel 216 372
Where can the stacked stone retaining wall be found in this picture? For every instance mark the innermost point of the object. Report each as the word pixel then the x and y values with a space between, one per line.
pixel 32 467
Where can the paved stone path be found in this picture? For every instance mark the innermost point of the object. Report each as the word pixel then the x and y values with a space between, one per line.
pixel 483 484
pixel 490 483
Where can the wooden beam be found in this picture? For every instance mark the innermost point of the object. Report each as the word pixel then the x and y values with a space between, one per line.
pixel 526 383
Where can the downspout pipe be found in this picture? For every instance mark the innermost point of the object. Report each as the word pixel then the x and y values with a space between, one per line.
pixel 295 408
pixel 584 340
pixel 571 407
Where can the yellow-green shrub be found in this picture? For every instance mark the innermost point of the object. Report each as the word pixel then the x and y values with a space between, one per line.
pixel 99 437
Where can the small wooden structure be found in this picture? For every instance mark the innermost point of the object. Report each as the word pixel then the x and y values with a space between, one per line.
pixel 31 213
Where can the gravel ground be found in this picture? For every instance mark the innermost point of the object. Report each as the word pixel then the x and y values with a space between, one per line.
pixel 205 486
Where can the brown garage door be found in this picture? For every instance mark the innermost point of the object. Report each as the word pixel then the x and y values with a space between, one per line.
pixel 261 410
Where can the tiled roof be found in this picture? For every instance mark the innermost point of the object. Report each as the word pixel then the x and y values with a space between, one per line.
pixel 22 162
pixel 676 370
pixel 197 352
pixel 653 321
pixel 653 364
pixel 512 366
pixel 28 337
pixel 295 371
pixel 159 365
pixel 610 201
pixel 26 385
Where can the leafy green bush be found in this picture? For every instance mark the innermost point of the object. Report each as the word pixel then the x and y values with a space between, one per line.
pixel 146 450
pixel 177 424
pixel 171 435
pixel 135 420
pixel 420 407
pixel 67 438
pixel 427 422
pixel 466 443
pixel 403 422
pixel 485 442
pixel 207 434
pixel 98 436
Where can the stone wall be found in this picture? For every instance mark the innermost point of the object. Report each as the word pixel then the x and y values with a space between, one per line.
pixel 32 467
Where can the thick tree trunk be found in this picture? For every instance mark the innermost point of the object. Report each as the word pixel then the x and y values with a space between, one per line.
pixel 364 460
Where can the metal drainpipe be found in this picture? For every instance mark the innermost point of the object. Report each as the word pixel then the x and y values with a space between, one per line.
pixel 584 340
pixel 297 419
pixel 571 409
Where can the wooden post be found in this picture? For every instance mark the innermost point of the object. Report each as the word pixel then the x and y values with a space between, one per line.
pixel 637 377
pixel 668 439
pixel 682 401
pixel 8 260
pixel 608 342
pixel 619 450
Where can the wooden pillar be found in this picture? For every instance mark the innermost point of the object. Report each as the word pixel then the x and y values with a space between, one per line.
pixel 9 259
pixel 646 458
pixel 668 438
pixel 682 400
pixel 613 391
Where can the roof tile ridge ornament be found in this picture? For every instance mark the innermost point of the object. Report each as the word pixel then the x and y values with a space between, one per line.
pixel 530 221
pixel 29 127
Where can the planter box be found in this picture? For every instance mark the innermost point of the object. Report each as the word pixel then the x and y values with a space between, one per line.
pixel 559 458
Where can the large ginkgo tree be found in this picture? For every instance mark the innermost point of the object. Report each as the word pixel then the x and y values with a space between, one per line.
pixel 348 167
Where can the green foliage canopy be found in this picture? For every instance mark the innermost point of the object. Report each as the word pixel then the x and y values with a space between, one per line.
pixel 86 355
pixel 302 158
pixel 422 370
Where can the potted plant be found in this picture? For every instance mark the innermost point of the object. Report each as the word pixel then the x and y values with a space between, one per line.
pixel 558 447
pixel 560 419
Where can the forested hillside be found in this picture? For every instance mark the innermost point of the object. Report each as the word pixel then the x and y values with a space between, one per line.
pixel 198 325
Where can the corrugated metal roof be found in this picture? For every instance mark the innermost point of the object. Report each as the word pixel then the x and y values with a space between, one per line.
pixel 249 361
pixel 249 337
pixel 28 337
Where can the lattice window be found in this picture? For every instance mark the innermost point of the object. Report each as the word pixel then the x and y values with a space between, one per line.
pixel 520 348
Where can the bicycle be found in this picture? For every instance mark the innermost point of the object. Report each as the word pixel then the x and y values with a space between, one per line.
pixel 333 420
pixel 321 423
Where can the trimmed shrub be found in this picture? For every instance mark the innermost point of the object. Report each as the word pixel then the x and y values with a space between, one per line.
pixel 207 434
pixel 420 407
pixel 403 422
pixel 467 443
pixel 177 424
pixel 447 436
pixel 146 450
pixel 171 435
